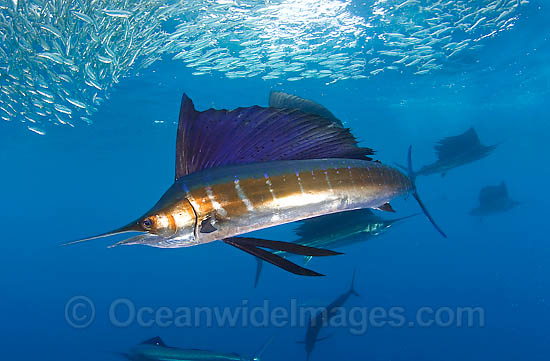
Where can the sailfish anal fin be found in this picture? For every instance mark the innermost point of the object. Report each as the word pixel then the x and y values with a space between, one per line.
pixel 252 246
pixel 214 138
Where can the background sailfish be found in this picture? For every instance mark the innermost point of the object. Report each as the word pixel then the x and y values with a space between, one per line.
pixel 456 151
pixel 323 317
pixel 493 199
pixel 252 168
pixel 155 349
pixel 337 230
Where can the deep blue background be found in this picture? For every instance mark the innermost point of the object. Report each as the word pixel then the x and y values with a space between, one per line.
pixel 77 182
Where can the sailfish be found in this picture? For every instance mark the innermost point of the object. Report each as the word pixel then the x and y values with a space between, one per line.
pixel 154 349
pixel 456 151
pixel 323 318
pixel 247 169
pixel 337 230
pixel 493 199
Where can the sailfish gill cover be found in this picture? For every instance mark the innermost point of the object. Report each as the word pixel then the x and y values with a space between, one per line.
pixel 90 93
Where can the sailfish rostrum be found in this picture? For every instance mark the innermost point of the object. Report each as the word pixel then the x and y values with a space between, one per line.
pixel 247 169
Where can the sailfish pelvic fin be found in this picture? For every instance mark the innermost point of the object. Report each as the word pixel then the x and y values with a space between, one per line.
pixel 252 246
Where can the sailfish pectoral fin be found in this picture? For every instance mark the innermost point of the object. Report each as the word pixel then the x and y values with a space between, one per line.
pixel 207 226
pixel 274 259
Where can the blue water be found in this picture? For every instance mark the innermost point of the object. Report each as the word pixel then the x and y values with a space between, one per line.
pixel 79 181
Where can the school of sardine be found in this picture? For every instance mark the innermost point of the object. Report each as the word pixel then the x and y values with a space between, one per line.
pixel 60 58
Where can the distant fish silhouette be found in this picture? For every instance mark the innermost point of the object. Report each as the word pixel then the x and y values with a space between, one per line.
pixel 493 199
pixel 155 349
pixel 456 151
pixel 323 317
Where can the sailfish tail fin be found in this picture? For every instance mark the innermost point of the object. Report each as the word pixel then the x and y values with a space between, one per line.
pixel 412 176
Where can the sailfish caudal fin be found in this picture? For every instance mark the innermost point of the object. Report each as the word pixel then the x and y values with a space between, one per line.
pixel 412 176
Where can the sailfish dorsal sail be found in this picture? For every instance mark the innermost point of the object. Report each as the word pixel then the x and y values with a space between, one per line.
pixel 214 138
pixel 451 146
pixel 283 100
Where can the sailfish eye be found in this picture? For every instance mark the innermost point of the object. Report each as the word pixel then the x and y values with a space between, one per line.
pixel 147 224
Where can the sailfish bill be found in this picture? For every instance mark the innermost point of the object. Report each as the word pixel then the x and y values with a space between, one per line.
pixel 131 228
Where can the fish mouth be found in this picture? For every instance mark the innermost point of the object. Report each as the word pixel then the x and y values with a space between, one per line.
pixel 132 227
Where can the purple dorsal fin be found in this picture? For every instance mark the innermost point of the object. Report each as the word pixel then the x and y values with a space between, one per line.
pixel 288 101
pixel 452 146
pixel 215 138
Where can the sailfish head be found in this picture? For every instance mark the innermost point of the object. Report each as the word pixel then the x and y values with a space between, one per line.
pixel 160 227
